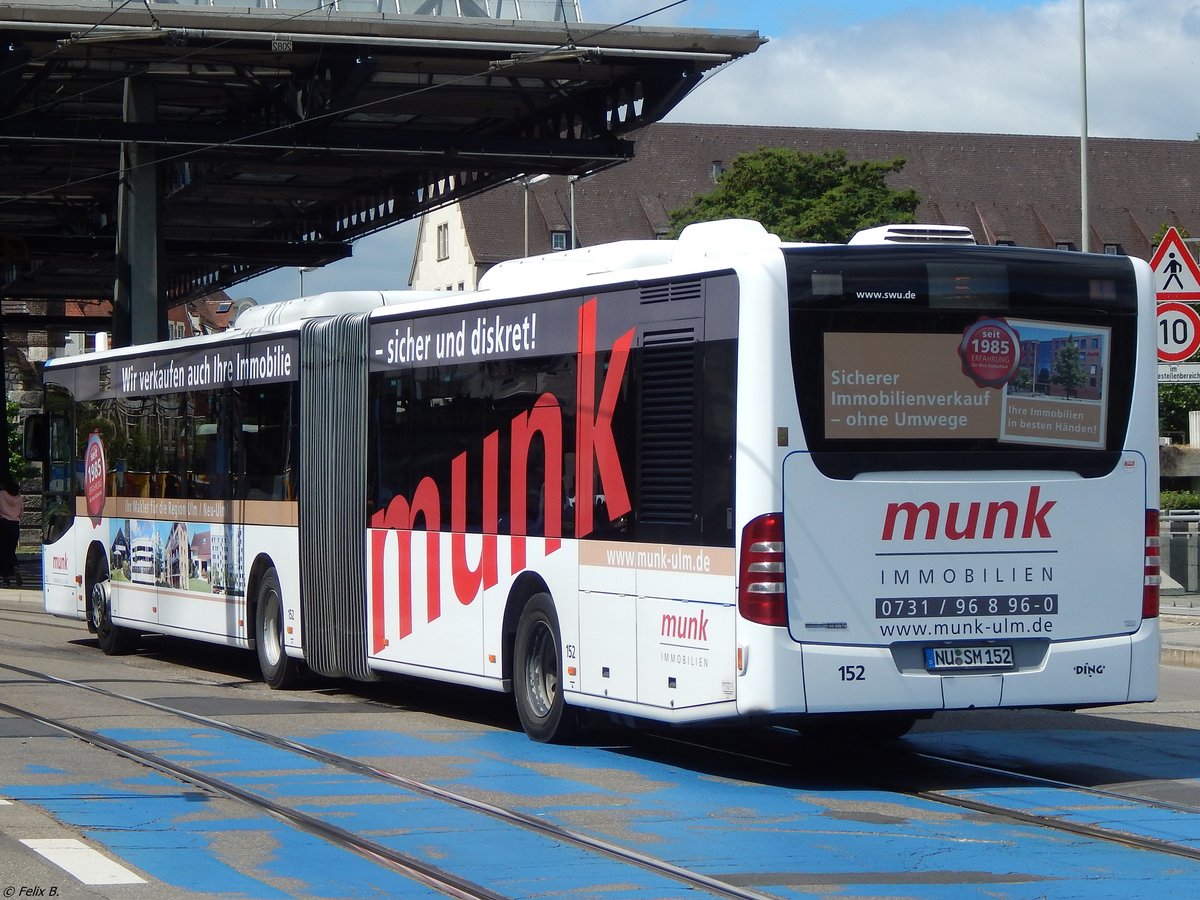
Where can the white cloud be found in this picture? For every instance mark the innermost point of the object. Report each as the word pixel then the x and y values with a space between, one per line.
pixel 974 69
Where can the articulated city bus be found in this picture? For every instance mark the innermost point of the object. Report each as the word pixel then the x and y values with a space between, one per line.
pixel 722 479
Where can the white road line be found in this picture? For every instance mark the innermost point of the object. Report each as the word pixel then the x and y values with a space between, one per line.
pixel 87 865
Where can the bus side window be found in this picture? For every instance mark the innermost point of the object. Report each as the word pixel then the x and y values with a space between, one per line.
pixel 265 439
pixel 206 448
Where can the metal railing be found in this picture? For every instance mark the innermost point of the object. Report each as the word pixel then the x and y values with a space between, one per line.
pixel 1179 534
pixel 529 10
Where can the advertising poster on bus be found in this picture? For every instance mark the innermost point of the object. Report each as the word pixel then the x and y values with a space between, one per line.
pixel 1011 380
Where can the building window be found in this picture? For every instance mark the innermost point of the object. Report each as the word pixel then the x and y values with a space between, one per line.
pixel 718 169
pixel 443 241
pixel 1063 245
pixel 559 240
pixel 1114 250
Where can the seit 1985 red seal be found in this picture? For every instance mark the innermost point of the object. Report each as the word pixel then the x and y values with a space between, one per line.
pixel 94 473
pixel 990 351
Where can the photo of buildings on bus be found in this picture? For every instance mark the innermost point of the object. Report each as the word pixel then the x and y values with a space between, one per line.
pixel 177 555
pixel 1057 395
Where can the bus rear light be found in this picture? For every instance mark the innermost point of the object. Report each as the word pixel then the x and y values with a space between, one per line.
pixel 1153 574
pixel 762 590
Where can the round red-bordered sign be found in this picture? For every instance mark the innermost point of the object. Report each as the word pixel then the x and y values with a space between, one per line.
pixel 990 352
pixel 1178 331
pixel 94 474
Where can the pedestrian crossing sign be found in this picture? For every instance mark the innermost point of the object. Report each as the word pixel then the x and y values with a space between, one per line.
pixel 1176 275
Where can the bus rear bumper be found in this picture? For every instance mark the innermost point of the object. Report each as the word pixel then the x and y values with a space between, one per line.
pixel 64 600
pixel 1092 672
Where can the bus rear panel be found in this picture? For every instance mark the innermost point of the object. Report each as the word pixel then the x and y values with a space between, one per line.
pixel 967 519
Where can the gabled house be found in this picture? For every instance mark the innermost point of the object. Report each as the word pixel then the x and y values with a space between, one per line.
pixel 1018 189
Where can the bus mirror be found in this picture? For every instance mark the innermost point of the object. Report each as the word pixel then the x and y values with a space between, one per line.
pixel 33 443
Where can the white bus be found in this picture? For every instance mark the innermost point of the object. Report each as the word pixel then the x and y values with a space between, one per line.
pixel 722 479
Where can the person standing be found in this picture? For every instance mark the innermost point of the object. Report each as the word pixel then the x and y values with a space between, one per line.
pixel 12 504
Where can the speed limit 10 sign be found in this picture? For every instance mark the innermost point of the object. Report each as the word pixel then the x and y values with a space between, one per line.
pixel 1178 331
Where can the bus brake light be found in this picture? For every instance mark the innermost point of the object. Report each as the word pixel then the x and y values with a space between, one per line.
pixel 1153 577
pixel 762 591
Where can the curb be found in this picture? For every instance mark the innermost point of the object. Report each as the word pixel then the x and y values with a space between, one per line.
pixel 1180 656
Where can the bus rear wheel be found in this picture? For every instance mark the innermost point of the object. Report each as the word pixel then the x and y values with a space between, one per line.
pixel 113 639
pixel 279 670
pixel 537 673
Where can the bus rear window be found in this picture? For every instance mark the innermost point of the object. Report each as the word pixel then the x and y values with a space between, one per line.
pixel 961 357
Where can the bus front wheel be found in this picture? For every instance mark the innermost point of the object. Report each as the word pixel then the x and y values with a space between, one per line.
pixel 537 673
pixel 279 670
pixel 113 639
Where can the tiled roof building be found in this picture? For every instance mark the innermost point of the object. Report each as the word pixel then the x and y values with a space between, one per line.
pixel 1021 189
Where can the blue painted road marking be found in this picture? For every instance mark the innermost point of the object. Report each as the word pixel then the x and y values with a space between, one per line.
pixel 788 835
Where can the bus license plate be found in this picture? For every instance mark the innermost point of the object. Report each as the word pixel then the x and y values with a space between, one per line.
pixel 941 659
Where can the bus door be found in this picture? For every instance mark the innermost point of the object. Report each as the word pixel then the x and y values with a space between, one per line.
pixel 50 439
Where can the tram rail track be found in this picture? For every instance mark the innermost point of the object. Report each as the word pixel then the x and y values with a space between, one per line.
pixel 927 776
pixel 847 757
pixel 1141 842
pixel 431 876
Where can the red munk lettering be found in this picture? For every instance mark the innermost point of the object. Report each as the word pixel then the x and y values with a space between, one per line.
pixel 402 518
pixel 468 581
pixel 593 425
pixel 1035 516
pixel 957 526
pixel 545 419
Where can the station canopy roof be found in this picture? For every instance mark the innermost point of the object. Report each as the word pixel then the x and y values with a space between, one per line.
pixel 282 134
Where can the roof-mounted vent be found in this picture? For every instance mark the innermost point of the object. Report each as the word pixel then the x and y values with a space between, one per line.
pixel 915 234
pixel 287 312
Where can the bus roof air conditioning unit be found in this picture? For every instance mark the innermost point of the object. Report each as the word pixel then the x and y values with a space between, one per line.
pixel 915 234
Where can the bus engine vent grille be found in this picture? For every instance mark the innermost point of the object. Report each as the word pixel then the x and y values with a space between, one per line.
pixel 668 427
pixel 671 291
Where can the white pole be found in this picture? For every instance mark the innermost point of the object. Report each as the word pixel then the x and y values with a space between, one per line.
pixel 1083 129
pixel 571 179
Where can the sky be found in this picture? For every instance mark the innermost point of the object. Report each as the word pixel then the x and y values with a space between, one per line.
pixel 991 66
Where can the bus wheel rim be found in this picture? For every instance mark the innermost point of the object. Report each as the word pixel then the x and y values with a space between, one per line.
pixel 543 671
pixel 270 635
pixel 98 607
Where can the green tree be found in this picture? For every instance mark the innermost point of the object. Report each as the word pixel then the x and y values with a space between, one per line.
pixel 1162 233
pixel 17 463
pixel 803 196
pixel 1175 401
pixel 1068 368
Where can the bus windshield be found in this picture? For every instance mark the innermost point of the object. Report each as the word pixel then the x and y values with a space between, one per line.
pixel 910 358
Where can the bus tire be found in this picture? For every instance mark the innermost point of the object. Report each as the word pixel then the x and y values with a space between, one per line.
pixel 279 670
pixel 113 639
pixel 537 669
